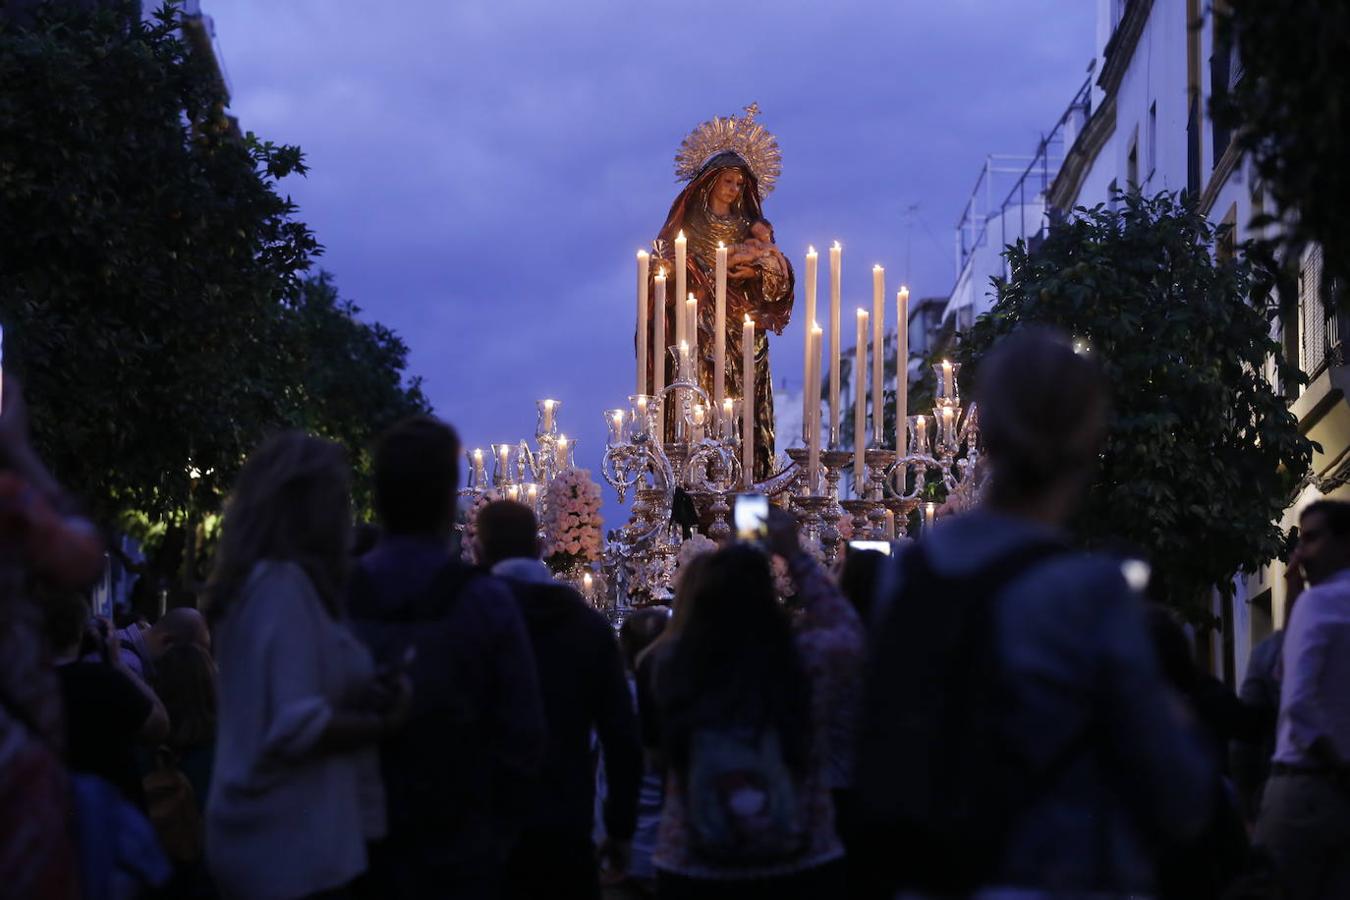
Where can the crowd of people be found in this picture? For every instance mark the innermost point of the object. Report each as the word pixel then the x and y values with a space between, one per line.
pixel 990 713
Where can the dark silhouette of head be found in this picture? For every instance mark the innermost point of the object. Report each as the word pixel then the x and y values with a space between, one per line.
pixel 734 658
pixel 291 503
pixel 640 630
pixel 1324 539
pixel 1042 414
pixel 416 477
pixel 507 530
pixel 179 627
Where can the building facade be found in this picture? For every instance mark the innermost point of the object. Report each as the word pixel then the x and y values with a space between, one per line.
pixel 1162 64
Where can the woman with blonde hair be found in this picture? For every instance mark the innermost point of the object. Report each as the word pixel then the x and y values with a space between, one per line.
pixel 295 795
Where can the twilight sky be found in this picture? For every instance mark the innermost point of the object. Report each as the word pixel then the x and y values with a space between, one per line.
pixel 483 171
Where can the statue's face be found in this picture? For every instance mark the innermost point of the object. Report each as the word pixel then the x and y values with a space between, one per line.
pixel 728 186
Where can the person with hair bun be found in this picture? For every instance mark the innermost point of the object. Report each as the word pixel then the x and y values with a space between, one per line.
pixel 1017 733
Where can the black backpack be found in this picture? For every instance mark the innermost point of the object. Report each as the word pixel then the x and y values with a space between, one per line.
pixel 936 791
pixel 434 767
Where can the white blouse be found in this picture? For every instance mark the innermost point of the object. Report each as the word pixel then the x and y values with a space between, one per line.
pixel 282 822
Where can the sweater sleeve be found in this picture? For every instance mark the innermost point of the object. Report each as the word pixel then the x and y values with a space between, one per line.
pixel 290 643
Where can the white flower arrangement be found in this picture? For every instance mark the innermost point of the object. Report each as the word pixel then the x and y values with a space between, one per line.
pixel 468 544
pixel 572 523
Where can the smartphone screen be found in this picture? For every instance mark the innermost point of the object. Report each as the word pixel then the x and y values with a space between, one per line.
pixel 879 546
pixel 752 518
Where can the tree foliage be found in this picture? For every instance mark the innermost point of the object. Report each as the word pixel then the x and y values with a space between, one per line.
pixel 1290 109
pixel 1202 454
pixel 152 286
pixel 349 384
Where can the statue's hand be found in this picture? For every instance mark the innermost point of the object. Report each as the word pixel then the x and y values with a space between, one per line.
pixel 741 273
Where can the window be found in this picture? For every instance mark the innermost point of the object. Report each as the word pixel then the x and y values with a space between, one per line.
pixel 1318 329
pixel 1132 164
pixel 1152 138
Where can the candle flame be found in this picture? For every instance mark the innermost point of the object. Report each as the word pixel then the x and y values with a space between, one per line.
pixel 816 329
pixel 642 254
pixel 684 346
pixel 478 454
pixel 680 236
pixel 562 440
pixel 862 313
pixel 692 299
pixel 721 246
pixel 661 274
pixel 748 320
pixel 549 404
pixel 810 250
pixel 836 246
pixel 876 267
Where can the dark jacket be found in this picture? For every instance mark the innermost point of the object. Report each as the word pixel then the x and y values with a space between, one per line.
pixel 476 732
pixel 582 680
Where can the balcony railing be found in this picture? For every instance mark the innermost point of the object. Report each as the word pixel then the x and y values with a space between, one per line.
pixel 1006 182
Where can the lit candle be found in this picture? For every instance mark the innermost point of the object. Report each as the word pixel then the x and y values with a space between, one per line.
pixel 720 328
pixel 901 367
pixel 562 457
pixel 748 401
pixel 681 274
pixel 532 495
pixel 546 409
pixel 878 355
pixel 860 406
pixel 816 337
pixel 945 389
pixel 700 417
pixel 947 432
pixel 890 525
pixel 929 515
pixel 477 467
pixel 691 329
pixel 614 418
pixel 809 390
pixel 835 412
pixel 513 492
pixel 659 344
pixel 728 418
pixel 504 463
pixel 683 374
pixel 643 269
pixel 921 435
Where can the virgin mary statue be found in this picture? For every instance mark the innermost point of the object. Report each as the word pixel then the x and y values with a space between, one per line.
pixel 731 165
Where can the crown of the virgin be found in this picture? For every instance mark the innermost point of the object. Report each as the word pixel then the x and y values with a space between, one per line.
pixel 741 135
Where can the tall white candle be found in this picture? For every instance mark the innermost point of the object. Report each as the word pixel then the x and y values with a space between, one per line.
pixel 809 390
pixel 878 355
pixel 901 368
pixel 720 329
pixel 860 406
pixel 659 352
pixel 691 316
pixel 748 402
pixel 835 259
pixel 816 336
pixel 681 288
pixel 643 270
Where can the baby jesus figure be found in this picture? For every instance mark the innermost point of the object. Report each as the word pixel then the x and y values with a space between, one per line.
pixel 756 251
